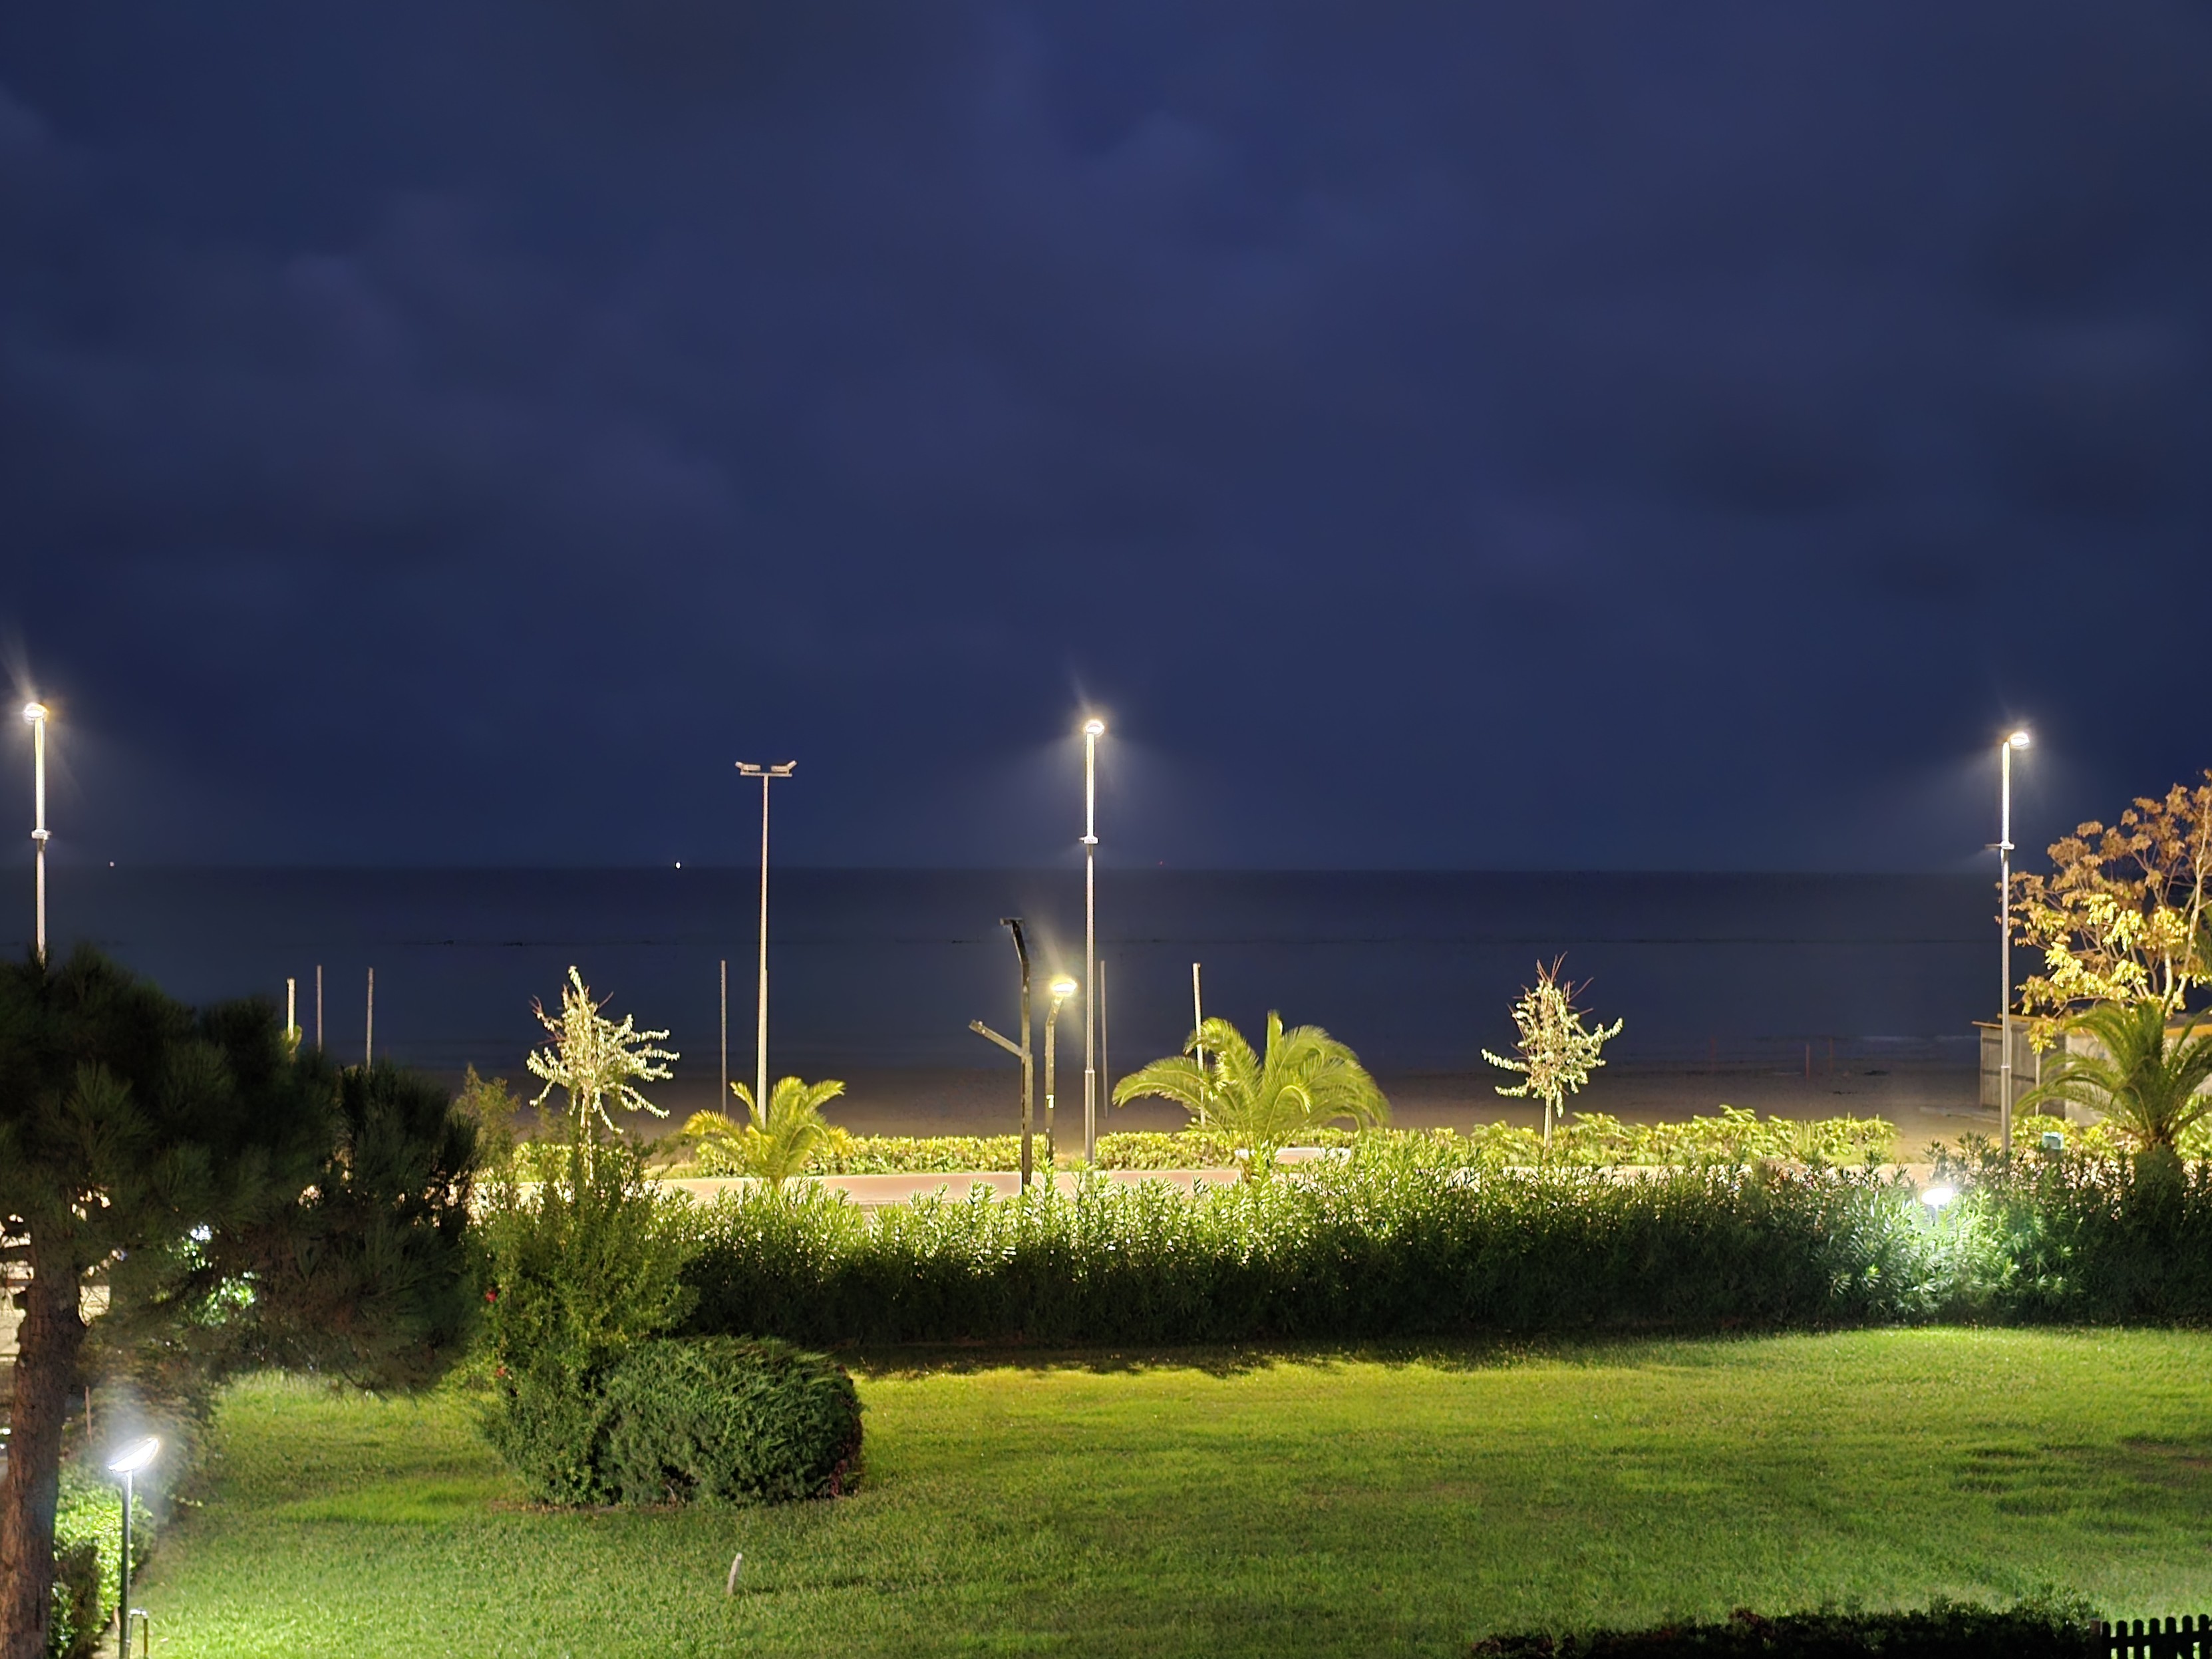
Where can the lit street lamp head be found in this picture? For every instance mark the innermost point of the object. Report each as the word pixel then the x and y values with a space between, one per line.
pixel 34 712
pixel 1063 988
pixel 136 1457
pixel 1094 728
pixel 2018 739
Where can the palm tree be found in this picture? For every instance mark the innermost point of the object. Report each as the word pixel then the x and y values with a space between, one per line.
pixel 2146 1079
pixel 1307 1079
pixel 775 1144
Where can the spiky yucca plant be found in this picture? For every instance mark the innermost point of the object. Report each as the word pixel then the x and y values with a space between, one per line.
pixel 1305 1080
pixel 776 1142
pixel 2146 1081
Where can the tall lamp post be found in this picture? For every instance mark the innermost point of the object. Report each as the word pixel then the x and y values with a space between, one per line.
pixel 1063 988
pixel 1020 1050
pixel 766 775
pixel 1093 729
pixel 35 715
pixel 128 1463
pixel 2018 739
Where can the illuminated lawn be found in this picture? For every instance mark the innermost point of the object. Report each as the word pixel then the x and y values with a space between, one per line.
pixel 1262 1506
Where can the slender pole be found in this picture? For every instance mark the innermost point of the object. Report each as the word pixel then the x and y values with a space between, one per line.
pixel 725 1096
pixel 292 1011
pixel 1013 924
pixel 2004 948
pixel 1051 1082
pixel 1197 1024
pixel 368 1040
pixel 39 820
pixel 1089 940
pixel 759 1043
pixel 123 1608
pixel 1105 1047
pixel 318 1007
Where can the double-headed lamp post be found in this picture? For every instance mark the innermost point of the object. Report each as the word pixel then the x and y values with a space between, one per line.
pixel 1093 730
pixel 129 1463
pixel 766 775
pixel 1063 987
pixel 2018 739
pixel 34 716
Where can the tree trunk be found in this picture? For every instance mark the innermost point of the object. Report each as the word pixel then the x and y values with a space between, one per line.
pixel 49 1342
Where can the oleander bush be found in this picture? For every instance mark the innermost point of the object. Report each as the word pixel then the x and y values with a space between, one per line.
pixel 1397 1239
pixel 1388 1242
pixel 1592 1140
pixel 730 1421
pixel 2040 1629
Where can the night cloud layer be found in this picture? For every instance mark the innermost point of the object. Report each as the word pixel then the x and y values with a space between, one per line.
pixel 1572 435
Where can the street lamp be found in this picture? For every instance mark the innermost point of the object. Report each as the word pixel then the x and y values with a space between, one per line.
pixel 1063 988
pixel 128 1463
pixel 34 716
pixel 2018 739
pixel 765 773
pixel 1020 1050
pixel 1093 729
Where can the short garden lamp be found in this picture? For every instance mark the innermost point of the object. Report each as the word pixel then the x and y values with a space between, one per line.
pixel 35 716
pixel 2018 739
pixel 127 1463
pixel 1061 988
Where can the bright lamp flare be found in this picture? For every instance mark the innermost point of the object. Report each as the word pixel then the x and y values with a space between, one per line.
pixel 1094 728
pixel 1063 987
pixel 34 712
pixel 2020 740
pixel 1936 1197
pixel 135 1455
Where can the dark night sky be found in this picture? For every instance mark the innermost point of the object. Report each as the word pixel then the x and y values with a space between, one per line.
pixel 1565 434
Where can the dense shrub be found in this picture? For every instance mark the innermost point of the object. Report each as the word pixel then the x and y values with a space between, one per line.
pixel 1592 1140
pixel 583 1268
pixel 88 1558
pixel 728 1420
pixel 1397 1239
pixel 2034 1629
pixel 1387 1242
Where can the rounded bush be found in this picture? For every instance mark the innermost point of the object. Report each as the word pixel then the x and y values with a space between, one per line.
pixel 728 1419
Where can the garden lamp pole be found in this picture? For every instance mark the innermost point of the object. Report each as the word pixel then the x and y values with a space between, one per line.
pixel 765 773
pixel 1013 925
pixel 1092 731
pixel 133 1458
pixel 1061 988
pixel 34 714
pixel 2018 739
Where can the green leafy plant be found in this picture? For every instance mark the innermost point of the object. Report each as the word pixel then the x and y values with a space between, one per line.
pixel 583 1266
pixel 1557 1052
pixel 1304 1081
pixel 2145 1078
pixel 730 1421
pixel 87 1555
pixel 596 1061
pixel 776 1140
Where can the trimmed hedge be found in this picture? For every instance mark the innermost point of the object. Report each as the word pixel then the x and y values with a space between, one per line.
pixel 1945 1630
pixel 88 1558
pixel 1393 1241
pixel 730 1421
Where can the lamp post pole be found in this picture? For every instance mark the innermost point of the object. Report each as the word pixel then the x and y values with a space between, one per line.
pixel 766 775
pixel 1013 925
pixel 35 714
pixel 1092 730
pixel 1063 988
pixel 2017 740
pixel 133 1458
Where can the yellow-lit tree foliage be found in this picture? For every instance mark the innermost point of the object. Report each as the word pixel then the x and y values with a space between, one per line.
pixel 1557 1052
pixel 2122 916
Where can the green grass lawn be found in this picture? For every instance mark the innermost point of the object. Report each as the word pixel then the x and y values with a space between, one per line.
pixel 1265 1505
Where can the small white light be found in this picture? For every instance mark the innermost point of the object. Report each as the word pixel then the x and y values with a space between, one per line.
pixel 1063 987
pixel 34 712
pixel 136 1457
pixel 1094 728
pixel 2020 740
pixel 1937 1196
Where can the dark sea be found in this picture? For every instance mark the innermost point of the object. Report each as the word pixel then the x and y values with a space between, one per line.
pixel 885 968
